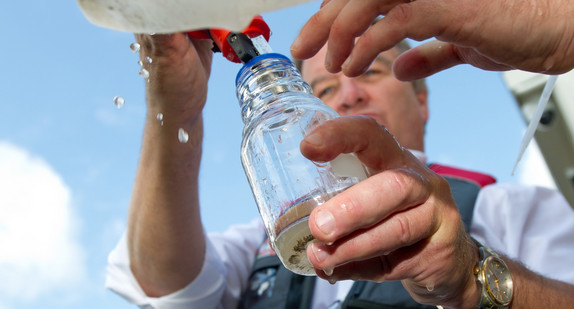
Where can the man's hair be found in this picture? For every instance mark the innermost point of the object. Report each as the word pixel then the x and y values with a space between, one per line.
pixel 419 84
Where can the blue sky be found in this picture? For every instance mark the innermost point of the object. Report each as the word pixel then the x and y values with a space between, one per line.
pixel 68 156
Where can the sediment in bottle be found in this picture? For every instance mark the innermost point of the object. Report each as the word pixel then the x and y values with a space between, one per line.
pixel 293 235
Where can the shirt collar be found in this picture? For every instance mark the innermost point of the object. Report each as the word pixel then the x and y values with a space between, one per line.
pixel 419 155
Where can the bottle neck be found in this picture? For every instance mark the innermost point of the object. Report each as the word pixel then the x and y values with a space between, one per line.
pixel 264 80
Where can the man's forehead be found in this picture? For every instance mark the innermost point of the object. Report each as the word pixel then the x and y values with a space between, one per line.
pixel 318 71
pixel 386 58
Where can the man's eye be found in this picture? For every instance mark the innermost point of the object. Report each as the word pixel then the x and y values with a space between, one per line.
pixel 371 72
pixel 325 92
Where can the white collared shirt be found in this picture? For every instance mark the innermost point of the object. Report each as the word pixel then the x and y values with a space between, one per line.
pixel 533 225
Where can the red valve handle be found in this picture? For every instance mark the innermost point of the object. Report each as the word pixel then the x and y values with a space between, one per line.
pixel 256 28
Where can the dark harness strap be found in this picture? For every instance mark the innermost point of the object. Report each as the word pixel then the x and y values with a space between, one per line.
pixel 271 285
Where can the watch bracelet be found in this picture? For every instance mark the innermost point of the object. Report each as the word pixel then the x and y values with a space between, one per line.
pixel 486 301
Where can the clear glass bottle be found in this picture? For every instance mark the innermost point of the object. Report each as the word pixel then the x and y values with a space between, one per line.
pixel 279 110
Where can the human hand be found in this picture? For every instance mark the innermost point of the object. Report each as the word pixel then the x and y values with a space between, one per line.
pixel 399 224
pixel 535 36
pixel 178 74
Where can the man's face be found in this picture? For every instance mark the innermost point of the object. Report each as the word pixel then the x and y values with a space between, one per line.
pixel 376 93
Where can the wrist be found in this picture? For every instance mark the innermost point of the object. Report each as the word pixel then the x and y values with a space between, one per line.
pixel 465 290
pixel 180 112
pixel 470 290
pixel 172 133
pixel 473 292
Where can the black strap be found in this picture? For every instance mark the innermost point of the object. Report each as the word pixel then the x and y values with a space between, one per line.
pixel 271 285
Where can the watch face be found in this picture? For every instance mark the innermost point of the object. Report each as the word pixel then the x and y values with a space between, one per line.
pixel 498 280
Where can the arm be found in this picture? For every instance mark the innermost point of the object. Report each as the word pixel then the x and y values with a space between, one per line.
pixel 165 235
pixel 485 34
pixel 402 224
pixel 532 290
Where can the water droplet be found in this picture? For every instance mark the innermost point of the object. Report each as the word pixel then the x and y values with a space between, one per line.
pixel 140 63
pixel 159 118
pixel 148 60
pixel 430 287
pixel 182 136
pixel 119 102
pixel 144 73
pixel 135 47
pixel 328 271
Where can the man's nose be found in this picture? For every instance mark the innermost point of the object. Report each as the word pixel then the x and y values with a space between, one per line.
pixel 351 96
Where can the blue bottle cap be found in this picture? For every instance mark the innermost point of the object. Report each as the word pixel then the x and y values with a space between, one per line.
pixel 257 59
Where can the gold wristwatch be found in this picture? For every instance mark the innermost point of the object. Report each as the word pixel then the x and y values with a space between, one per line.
pixel 494 276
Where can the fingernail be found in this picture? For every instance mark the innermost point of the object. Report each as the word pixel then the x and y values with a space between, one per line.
pixel 328 65
pixel 295 45
pixel 320 254
pixel 325 221
pixel 328 271
pixel 346 63
pixel 328 61
pixel 314 139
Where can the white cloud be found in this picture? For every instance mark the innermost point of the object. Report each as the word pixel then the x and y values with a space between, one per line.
pixel 39 253
pixel 532 170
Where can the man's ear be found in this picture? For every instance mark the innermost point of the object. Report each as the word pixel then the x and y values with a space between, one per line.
pixel 422 98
